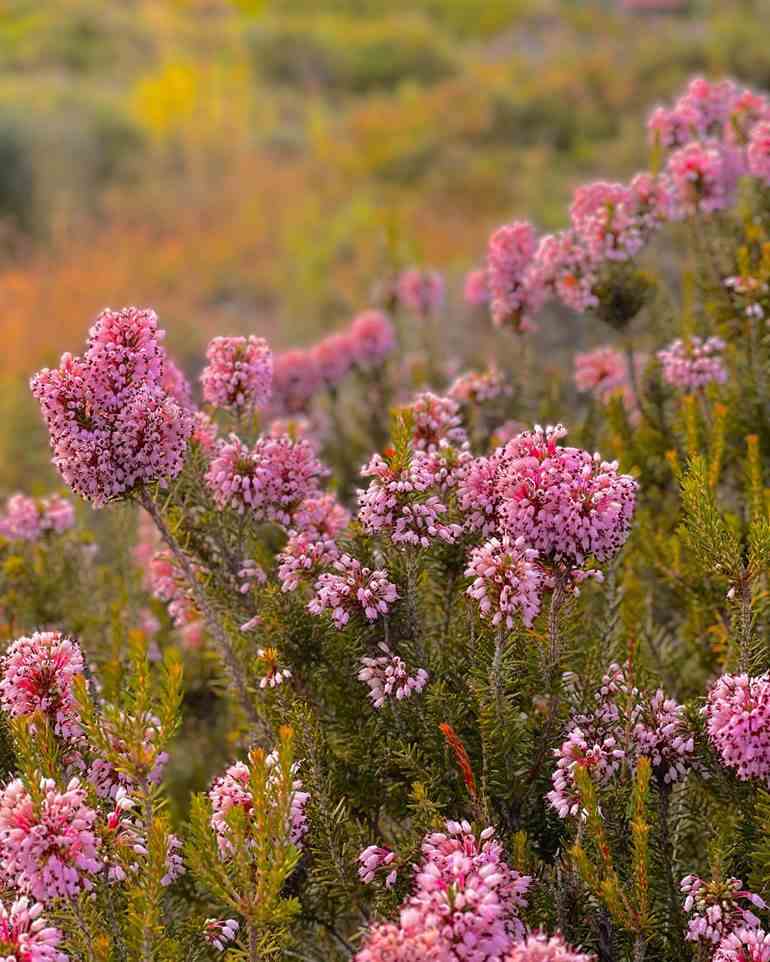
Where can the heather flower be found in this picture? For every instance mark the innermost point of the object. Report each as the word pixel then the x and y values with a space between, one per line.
pixel 435 419
pixel 738 724
pixel 567 267
pixel 175 384
pixel 603 218
pixel 718 908
pixel 272 674
pixel 691 365
pixel 354 589
pixel 303 557
pixel 239 373
pixel 123 352
pixel 374 858
pixel 704 177
pixel 387 677
pixel 601 371
pixel 421 291
pixel 565 502
pixel 373 337
pixel 538 947
pixel 758 152
pixel 270 481
pixel 744 945
pixel 218 932
pixel 205 431
pixel 476 387
pixel 233 789
pixel 335 355
pixel 464 906
pixel 38 672
pixel 476 288
pixel 477 495
pixel 507 581
pixel 25 936
pixel 516 287
pixel 168 584
pixel 322 516
pixel 48 847
pixel 296 381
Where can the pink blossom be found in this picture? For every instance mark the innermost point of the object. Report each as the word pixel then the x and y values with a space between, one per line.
pixel 335 356
pixel 716 910
pixel 239 373
pixel 374 338
pixel 38 672
pixel 296 381
pixel 691 365
pixel 273 674
pixel 322 516
pixel 435 419
pixel 421 291
pixel 25 936
pixel 538 947
pixel 270 480
pixel 758 152
pixel 374 858
pixel 704 176
pixel 218 932
pixel 175 384
pixel 477 495
pixel 479 387
pixel 567 267
pixel 353 589
pixel 744 945
pixel 48 846
pixel 476 288
pixel 601 371
pixel 303 558
pixel 387 677
pixel 738 724
pixel 515 282
pixel 507 581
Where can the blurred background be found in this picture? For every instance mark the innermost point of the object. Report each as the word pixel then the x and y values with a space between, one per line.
pixel 257 165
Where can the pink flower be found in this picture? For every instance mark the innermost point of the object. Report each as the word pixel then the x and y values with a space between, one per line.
pixel 464 905
pixel 507 581
pixel 387 677
pixel 234 789
pixel 296 381
pixel 568 504
pixel 738 724
pixel 602 371
pixel 476 289
pixel 239 373
pixel 335 356
pixel 476 387
pixel 176 385
pixel 112 425
pixel 270 481
pixel 515 283
pixel 49 847
pixel 477 495
pixel 421 291
pixel 704 176
pixel 38 672
pixel 371 860
pixel 435 419
pixel 716 911
pixel 373 337
pixel 322 516
pixel 692 364
pixel 538 947
pixel 758 152
pixel 25 935
pixel 354 589
pixel 744 945
pixel 218 932
pixel 567 267
pixel 303 557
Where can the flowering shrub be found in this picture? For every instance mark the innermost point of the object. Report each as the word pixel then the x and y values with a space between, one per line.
pixel 496 696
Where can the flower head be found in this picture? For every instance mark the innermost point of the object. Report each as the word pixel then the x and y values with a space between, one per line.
pixel 507 581
pixel 388 677
pixel 239 373
pixel 691 365
pixel 373 338
pixel 25 936
pixel 353 589
pixel 738 724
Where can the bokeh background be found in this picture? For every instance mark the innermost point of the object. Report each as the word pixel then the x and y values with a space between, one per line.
pixel 258 165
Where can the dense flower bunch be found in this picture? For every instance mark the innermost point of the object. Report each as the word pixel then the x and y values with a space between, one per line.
pixel 111 423
pixel 38 672
pixel 321 516
pixel 744 945
pixel 49 846
pixel 478 387
pixel 435 419
pixel 353 589
pixel 516 288
pixel 303 558
pixel 507 583
pixel 388 677
pixel 464 906
pixel 738 724
pixel 601 371
pixel 691 365
pixel 26 519
pixel 233 789
pixel 476 287
pixel 538 947
pixel 716 910
pixel 25 936
pixel 421 291
pixel 374 858
pixel 625 725
pixel 269 481
pixel 239 373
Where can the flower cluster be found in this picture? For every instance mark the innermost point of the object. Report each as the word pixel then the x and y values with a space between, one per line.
pixel 744 945
pixel 476 287
pixel 465 903
pixel 691 365
pixel 233 789
pixel 303 558
pixel 421 291
pixel 435 419
pixel 738 724
pixel 516 290
pixel 112 425
pixel 387 677
pixel 478 387
pixel 507 581
pixel 601 371
pixel 26 519
pixel 25 936
pixel 538 947
pixel 269 481
pixel 374 858
pixel 48 845
pixel 38 672
pixel 218 932
pixel 353 589
pixel 716 910
pixel 239 373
